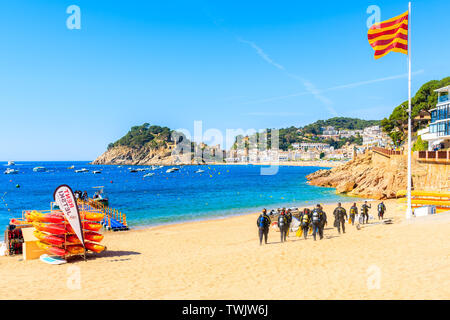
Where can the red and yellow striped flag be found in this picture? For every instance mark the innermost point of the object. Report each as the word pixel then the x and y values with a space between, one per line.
pixel 390 35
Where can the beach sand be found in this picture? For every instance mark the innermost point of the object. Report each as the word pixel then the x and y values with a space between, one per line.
pixel 222 259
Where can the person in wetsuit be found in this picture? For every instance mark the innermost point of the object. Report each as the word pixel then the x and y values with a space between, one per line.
pixel 318 221
pixel 263 223
pixel 365 212
pixel 283 225
pixel 353 212
pixel 381 210
pixel 305 220
pixel 340 215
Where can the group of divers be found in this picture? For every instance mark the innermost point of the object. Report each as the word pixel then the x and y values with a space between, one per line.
pixel 314 220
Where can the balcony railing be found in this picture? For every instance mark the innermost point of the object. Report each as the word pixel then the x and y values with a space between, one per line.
pixel 434 156
pixel 386 152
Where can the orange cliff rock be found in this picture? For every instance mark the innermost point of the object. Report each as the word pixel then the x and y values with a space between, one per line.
pixel 378 176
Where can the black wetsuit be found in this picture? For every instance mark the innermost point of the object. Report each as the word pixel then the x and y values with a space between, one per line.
pixel 339 218
pixel 263 224
pixel 318 220
pixel 283 225
pixel 381 210
pixel 305 220
pixel 365 213
pixel 353 212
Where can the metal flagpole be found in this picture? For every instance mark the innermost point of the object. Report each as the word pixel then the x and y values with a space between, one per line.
pixel 409 209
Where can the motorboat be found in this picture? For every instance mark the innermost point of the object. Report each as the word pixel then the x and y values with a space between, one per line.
pixel 39 169
pixel 172 170
pixel 96 172
pixel 199 171
pixel 11 171
pixel 11 163
pixel 71 167
pixel 151 174
pixel 141 169
pixel 82 170
pixel 99 199
pixel 133 170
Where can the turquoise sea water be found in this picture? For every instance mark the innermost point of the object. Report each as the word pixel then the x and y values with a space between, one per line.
pixel 165 197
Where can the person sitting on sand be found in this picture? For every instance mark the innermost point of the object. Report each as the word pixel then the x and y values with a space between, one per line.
pixel 282 224
pixel 318 221
pixel 381 210
pixel 353 212
pixel 365 212
pixel 263 224
pixel 305 220
pixel 340 215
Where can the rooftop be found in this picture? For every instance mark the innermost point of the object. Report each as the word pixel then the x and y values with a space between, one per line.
pixel 444 89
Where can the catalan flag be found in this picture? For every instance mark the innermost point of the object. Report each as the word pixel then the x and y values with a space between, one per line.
pixel 390 35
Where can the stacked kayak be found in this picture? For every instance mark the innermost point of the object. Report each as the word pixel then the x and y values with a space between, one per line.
pixel 57 237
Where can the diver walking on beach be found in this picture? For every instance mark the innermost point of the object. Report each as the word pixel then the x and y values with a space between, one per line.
pixel 340 215
pixel 318 221
pixel 283 225
pixel 263 224
pixel 305 220
pixel 381 210
pixel 289 219
pixel 353 212
pixel 365 212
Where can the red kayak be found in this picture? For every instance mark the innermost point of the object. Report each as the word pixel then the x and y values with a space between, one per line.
pixel 51 249
pixel 50 228
pixel 48 238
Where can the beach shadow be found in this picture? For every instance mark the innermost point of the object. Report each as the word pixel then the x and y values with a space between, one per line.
pixel 104 254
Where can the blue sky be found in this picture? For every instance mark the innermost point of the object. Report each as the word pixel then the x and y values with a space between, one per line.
pixel 230 64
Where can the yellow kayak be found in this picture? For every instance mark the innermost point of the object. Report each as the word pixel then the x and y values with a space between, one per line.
pixel 420 193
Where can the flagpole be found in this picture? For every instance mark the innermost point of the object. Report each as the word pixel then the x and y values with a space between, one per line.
pixel 409 209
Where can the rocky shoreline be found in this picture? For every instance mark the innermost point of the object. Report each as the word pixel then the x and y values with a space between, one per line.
pixel 363 177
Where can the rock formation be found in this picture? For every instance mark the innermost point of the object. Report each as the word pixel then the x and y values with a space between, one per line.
pixel 373 175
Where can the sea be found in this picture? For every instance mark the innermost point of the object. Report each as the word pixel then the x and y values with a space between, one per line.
pixel 164 198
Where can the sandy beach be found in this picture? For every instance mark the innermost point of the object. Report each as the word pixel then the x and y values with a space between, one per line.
pixel 222 259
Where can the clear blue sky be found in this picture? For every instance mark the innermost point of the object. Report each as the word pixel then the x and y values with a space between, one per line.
pixel 231 64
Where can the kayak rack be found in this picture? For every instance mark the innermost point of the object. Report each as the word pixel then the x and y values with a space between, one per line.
pixel 114 219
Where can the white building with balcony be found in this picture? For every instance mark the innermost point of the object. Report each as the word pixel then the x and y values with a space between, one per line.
pixel 438 132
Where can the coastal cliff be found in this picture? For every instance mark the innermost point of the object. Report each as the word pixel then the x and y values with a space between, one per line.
pixel 373 175
pixel 124 155
pixel 144 145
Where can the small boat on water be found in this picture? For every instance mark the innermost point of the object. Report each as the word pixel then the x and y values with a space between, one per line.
pixel 172 170
pixel 199 171
pixel 99 198
pixel 132 170
pixel 11 171
pixel 71 167
pixel 11 163
pixel 149 175
pixel 96 172
pixel 82 170
pixel 141 169
pixel 39 169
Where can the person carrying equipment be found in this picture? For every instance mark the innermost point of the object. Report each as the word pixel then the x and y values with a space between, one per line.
pixel 305 220
pixel 365 212
pixel 289 219
pixel 353 212
pixel 263 223
pixel 381 210
pixel 283 225
pixel 318 221
pixel 340 215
